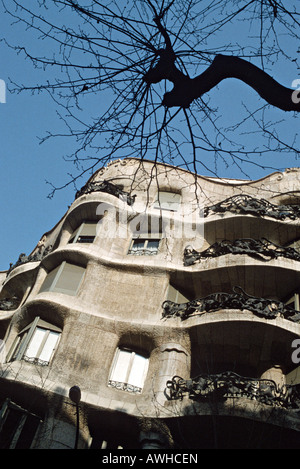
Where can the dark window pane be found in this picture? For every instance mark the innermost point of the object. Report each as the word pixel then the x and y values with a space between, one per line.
pixel 9 428
pixel 28 431
pixel 85 239
pixel 153 244
pixel 138 243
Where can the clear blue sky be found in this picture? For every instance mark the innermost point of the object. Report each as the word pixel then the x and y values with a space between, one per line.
pixel 25 165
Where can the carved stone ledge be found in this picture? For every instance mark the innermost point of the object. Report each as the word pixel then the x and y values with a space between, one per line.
pixel 262 307
pixel 246 204
pixel 261 249
pixel 231 385
pixel 107 187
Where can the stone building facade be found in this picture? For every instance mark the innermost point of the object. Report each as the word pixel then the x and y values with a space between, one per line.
pixel 162 311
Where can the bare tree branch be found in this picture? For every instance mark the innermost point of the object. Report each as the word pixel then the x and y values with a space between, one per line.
pixel 158 68
pixel 186 89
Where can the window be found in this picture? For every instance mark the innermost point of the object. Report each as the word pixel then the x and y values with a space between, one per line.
pixel 17 426
pixel 36 343
pixel 66 278
pixel 175 295
pixel 167 201
pixel 85 233
pixel 129 370
pixel 293 302
pixel 144 246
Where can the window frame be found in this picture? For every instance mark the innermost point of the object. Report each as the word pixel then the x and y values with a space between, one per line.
pixel 23 340
pixel 57 275
pixel 16 435
pixel 144 250
pixel 77 233
pixel 294 299
pixel 175 295
pixel 124 385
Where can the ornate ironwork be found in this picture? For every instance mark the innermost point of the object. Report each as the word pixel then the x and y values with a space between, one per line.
pixel 124 386
pixel 36 256
pixel 228 384
pixel 9 304
pixel 143 252
pixel 262 307
pixel 109 188
pixel 249 205
pixel 35 360
pixel 257 248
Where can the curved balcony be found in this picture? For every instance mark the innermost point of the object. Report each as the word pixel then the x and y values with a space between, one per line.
pixel 36 257
pixel 246 204
pixel 231 385
pixel 259 266
pixel 237 331
pixel 15 290
pixel 248 217
pixel 262 307
pixel 109 188
pixel 261 249
pixel 43 248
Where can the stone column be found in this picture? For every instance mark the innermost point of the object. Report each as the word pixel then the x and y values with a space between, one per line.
pixel 173 359
pixel 276 374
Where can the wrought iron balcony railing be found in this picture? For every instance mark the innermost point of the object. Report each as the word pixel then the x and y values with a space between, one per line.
pixel 109 188
pixel 35 360
pixel 231 385
pixel 263 307
pixel 9 303
pixel 35 257
pixel 124 386
pixel 246 204
pixel 143 252
pixel 258 248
